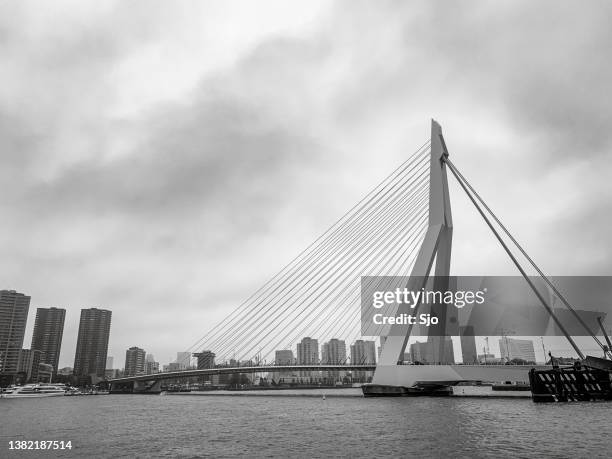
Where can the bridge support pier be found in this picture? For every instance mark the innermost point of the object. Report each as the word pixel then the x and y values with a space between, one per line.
pixel 136 387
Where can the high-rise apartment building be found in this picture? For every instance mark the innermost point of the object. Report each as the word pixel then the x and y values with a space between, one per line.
pixel 334 352
pixel 425 352
pixel 283 357
pixel 134 361
pixel 151 366
pixel 14 309
pixel 307 351
pixel 469 353
pixel 363 352
pixel 517 349
pixel 47 336
pixel 92 343
pixel 308 354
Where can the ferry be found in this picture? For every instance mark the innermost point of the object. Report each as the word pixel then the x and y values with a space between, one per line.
pixel 34 391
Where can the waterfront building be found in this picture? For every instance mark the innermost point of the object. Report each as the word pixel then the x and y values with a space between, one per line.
pixel 172 366
pixel 424 352
pixel 151 367
pixel 418 352
pixel 14 309
pixel 92 344
pixel 284 357
pixel 134 361
pixel 334 353
pixel 110 362
pixel 308 354
pixel 522 349
pixel 27 366
pixel 487 358
pixel 206 359
pixel 184 360
pixel 110 373
pixel 45 373
pixel 363 352
pixel 48 333
pixel 308 351
pixel 469 353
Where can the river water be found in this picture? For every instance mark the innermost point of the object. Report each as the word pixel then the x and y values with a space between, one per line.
pixel 295 426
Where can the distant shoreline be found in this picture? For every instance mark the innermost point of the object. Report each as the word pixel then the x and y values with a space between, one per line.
pixel 286 392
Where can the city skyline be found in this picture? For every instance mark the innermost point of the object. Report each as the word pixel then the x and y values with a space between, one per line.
pixel 458 346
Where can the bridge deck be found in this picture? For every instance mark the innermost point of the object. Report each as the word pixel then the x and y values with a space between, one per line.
pixel 283 368
pixel 251 369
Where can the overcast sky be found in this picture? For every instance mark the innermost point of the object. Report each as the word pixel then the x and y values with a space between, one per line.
pixel 163 160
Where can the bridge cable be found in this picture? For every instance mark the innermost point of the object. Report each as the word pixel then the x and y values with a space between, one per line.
pixel 388 280
pixel 529 259
pixel 333 327
pixel 404 269
pixel 319 263
pixel 330 316
pixel 328 286
pixel 292 275
pixel 514 260
pixel 372 235
pixel 261 318
pixel 226 320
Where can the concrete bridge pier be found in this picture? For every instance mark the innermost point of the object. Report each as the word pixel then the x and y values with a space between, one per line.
pixel 136 387
pixel 147 387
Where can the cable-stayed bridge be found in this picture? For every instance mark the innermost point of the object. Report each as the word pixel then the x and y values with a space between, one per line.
pixel 401 229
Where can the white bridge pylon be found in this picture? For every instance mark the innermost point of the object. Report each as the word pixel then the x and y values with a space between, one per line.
pixel 436 246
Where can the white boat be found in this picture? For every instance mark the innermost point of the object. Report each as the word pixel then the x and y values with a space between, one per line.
pixel 34 391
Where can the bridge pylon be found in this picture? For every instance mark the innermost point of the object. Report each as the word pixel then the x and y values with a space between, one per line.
pixel 436 246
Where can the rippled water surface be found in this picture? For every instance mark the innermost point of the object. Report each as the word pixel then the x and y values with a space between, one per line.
pixel 230 426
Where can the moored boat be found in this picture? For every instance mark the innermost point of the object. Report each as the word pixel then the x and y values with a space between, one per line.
pixel 588 380
pixel 34 391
